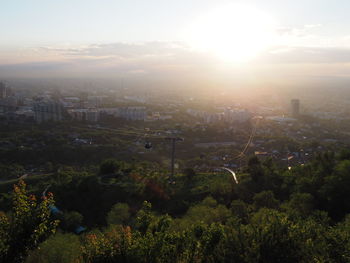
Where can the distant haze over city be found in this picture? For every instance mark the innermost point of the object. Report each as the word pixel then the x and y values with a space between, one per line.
pixel 179 44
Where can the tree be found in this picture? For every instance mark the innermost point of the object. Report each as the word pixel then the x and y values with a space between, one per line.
pixel 72 220
pixel 208 212
pixel 144 217
pixel 240 209
pixel 189 173
pixel 109 166
pixel 29 225
pixel 119 214
pixel 301 203
pixel 335 190
pixel 59 248
pixel 255 170
pixel 270 238
pixel 265 199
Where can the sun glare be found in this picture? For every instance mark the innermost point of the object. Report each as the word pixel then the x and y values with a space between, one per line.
pixel 235 33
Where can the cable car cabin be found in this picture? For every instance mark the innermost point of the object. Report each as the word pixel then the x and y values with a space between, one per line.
pixel 148 145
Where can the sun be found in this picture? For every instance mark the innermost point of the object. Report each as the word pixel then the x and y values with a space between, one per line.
pixel 233 32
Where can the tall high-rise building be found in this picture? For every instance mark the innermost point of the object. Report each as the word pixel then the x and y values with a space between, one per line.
pixel 3 90
pixel 295 107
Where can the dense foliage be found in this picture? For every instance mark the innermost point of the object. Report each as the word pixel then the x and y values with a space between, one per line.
pixel 272 215
pixel 28 224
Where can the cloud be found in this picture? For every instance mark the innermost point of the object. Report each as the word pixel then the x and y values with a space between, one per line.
pixel 298 31
pixel 162 58
pixel 306 55
pixel 174 62
pixel 119 50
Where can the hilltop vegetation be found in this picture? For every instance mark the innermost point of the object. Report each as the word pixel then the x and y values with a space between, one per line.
pixel 133 214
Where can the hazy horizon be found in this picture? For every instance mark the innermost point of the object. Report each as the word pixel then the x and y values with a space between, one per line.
pixel 193 43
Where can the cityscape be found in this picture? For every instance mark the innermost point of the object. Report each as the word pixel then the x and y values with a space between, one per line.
pixel 174 131
pixel 289 134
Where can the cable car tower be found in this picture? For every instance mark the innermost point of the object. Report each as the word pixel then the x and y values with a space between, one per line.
pixel 173 141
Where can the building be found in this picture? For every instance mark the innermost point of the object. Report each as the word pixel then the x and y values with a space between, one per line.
pixel 212 117
pixel 128 113
pixel 3 90
pixel 295 107
pixel 236 115
pixel 8 101
pixel 90 115
pixel 133 113
pixel 281 119
pixel 229 115
pixel 95 101
pixel 48 111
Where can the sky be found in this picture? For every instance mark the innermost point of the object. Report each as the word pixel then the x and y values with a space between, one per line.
pixel 38 22
pixel 252 39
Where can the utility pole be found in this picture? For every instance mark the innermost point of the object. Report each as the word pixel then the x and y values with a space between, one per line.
pixel 173 141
